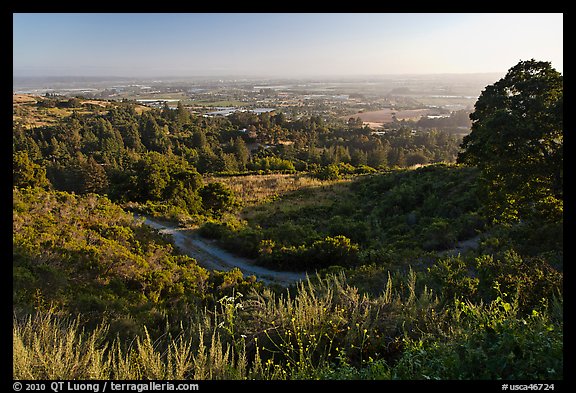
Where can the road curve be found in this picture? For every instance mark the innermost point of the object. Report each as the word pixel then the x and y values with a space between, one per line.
pixel 212 257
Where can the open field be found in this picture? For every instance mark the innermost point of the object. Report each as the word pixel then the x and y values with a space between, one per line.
pixel 29 115
pixel 256 189
pixel 23 99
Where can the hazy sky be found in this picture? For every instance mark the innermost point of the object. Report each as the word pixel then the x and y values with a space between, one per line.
pixel 281 44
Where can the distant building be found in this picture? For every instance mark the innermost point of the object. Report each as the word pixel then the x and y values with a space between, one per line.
pixel 227 111
pixel 223 111
pixel 262 110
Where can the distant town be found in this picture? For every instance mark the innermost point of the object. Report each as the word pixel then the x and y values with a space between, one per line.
pixel 376 101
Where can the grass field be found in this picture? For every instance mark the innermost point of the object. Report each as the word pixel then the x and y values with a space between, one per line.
pixel 257 189
pixel 26 112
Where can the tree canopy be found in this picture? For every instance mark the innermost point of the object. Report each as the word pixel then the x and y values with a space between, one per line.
pixel 517 142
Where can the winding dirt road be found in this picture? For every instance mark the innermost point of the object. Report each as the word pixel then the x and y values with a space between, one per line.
pixel 213 257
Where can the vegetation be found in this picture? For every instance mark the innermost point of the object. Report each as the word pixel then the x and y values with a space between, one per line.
pixel 327 330
pixel 418 268
pixel 389 218
pixel 517 142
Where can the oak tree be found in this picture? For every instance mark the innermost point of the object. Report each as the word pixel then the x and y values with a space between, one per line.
pixel 517 142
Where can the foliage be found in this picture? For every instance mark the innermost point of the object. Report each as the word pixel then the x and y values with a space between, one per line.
pixel 325 329
pixel 217 198
pixel 330 251
pixel 423 210
pixel 329 172
pixel 26 173
pixel 487 342
pixel 136 155
pixel 84 254
pixel 96 294
pixel 517 142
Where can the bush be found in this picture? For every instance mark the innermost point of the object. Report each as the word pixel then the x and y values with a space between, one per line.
pixel 330 251
pixel 217 198
pixel 487 342
pixel 329 172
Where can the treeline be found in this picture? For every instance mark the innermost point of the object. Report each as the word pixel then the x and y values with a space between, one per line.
pixel 158 155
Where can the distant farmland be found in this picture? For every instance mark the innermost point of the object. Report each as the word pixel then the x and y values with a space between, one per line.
pixel 377 118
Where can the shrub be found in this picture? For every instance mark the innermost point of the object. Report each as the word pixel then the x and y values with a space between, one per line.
pixel 487 342
pixel 329 172
pixel 217 198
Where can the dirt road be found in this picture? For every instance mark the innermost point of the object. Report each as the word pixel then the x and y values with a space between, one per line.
pixel 212 257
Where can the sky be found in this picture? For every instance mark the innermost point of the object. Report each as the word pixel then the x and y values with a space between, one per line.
pixel 281 44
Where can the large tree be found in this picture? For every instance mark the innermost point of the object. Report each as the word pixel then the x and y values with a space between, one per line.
pixel 517 142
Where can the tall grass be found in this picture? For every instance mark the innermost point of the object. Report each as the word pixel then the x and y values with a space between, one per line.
pixel 46 347
pixel 255 189
pixel 49 347
pixel 324 328
pixel 265 336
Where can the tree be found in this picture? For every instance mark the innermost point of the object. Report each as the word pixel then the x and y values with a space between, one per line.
pixel 153 136
pixel 416 158
pixel 182 114
pixel 131 137
pixel 25 173
pixel 94 177
pixel 378 157
pixel 517 142
pixel 242 153
pixel 217 198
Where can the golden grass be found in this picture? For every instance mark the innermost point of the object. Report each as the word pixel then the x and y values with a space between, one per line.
pixel 256 189
pixel 29 115
pixel 265 336
pixel 24 99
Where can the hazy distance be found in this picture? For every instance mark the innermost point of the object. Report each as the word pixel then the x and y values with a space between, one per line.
pixel 281 44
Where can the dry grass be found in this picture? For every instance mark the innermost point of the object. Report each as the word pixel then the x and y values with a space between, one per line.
pixel 256 189
pixel 265 336
pixel 49 347
pixel 23 99
pixel 265 195
pixel 29 115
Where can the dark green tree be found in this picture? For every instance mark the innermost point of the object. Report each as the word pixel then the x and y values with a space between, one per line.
pixel 199 140
pixel 241 152
pixel 517 142
pixel 94 178
pixel 26 173
pixel 217 198
pixel 131 136
pixel 167 113
pixel 416 158
pixel 358 157
pixel 153 136
pixel 109 137
pixel 378 157
pixel 182 114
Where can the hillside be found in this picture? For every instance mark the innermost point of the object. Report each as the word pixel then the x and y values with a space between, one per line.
pixel 378 221
pixel 402 213
pixel 373 321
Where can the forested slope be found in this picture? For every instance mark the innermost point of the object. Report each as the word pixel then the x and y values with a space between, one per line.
pixel 96 294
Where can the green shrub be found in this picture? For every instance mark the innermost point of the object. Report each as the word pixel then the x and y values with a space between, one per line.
pixel 487 342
